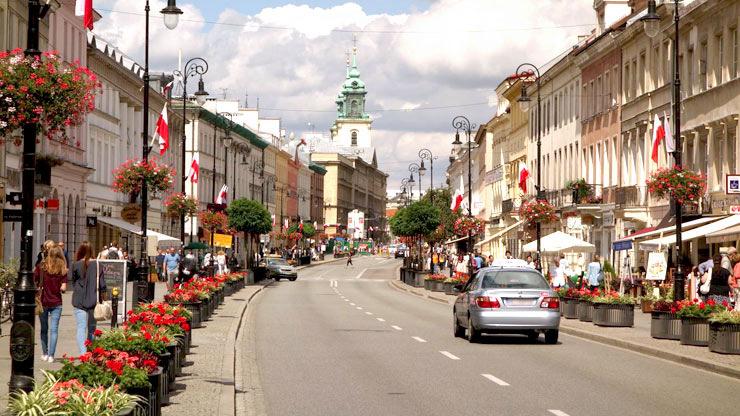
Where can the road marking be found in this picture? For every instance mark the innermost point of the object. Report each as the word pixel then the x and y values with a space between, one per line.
pixel 497 380
pixel 333 283
pixel 449 355
pixel 368 313
pixel 397 328
pixel 380 319
pixel 361 273
pixel 557 412
pixel 345 299
pixel 359 308
pixel 351 304
pixel 419 339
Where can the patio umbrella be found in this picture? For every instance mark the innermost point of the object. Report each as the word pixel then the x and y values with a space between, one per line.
pixel 559 242
pixel 196 245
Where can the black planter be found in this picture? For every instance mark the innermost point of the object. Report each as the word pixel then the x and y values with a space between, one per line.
pixel 195 312
pixel 614 315
pixel 449 288
pixel 695 331
pixel 570 308
pixel 665 325
pixel 165 361
pixel 428 284
pixel 182 351
pixel 131 411
pixel 151 399
pixel 724 338
pixel 585 311
pixel 174 368
pixel 438 286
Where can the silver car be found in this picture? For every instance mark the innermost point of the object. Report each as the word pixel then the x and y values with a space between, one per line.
pixel 507 298
pixel 280 269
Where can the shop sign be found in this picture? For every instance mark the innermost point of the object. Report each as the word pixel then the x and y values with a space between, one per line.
pixel 734 209
pixel 52 204
pixel 732 183
pixel 657 266
pixel 131 213
pixel 12 215
pixel 608 219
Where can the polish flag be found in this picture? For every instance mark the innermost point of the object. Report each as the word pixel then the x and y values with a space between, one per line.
pixel 84 8
pixel 523 175
pixel 658 136
pixel 274 221
pixel 162 133
pixel 285 223
pixel 167 88
pixel 670 144
pixel 194 172
pixel 222 195
pixel 457 198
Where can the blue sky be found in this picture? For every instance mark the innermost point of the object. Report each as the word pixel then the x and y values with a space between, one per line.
pixel 212 8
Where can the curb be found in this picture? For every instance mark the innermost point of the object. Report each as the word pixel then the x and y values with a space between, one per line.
pixel 227 398
pixel 602 339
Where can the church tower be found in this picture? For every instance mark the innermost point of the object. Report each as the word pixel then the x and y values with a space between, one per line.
pixel 352 126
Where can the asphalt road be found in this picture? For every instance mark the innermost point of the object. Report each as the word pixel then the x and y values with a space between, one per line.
pixel 341 341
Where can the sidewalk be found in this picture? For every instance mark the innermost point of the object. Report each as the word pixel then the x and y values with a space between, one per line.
pixel 635 339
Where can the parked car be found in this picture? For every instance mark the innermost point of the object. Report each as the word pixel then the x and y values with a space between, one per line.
pixel 392 249
pixel 401 251
pixel 507 297
pixel 279 269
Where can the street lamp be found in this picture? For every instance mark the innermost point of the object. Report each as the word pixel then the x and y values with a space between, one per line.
pixel 415 168
pixel 171 14
pixel 525 102
pixel 411 182
pixel 462 123
pixel 193 67
pixel 404 188
pixel 651 22
pixel 426 154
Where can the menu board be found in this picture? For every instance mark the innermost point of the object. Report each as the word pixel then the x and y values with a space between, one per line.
pixel 114 274
pixel 657 266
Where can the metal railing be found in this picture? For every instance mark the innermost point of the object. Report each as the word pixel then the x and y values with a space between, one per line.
pixel 631 196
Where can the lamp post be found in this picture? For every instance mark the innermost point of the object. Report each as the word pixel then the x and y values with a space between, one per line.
pixel 415 168
pixel 404 188
pixel 462 123
pixel 228 125
pixel 171 14
pixel 524 103
pixel 651 23
pixel 411 183
pixel 195 66
pixel 426 154
pixel 255 167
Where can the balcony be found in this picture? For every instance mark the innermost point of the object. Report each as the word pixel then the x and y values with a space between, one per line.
pixel 631 196
pixel 507 206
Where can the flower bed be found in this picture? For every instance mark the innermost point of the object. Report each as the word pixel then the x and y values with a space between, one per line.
pixel 614 310
pixel 538 211
pixel 694 317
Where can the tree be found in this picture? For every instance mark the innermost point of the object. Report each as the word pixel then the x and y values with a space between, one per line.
pixel 442 201
pixel 308 229
pixel 249 217
pixel 418 219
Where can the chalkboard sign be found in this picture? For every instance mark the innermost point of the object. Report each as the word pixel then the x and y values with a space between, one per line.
pixel 114 274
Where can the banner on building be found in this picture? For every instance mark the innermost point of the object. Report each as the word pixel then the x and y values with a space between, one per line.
pixel 657 266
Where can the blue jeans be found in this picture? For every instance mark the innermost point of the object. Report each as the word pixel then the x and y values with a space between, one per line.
pixel 85 328
pixel 49 348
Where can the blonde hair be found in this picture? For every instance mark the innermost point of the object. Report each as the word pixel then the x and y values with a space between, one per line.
pixel 221 253
pixel 48 244
pixel 55 263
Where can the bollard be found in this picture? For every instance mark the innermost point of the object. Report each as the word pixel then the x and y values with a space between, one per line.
pixel 114 305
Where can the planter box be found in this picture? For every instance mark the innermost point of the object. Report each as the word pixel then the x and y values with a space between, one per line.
pixel 151 401
pixel 449 288
pixel 174 350
pixel 724 338
pixel 695 331
pixel 131 411
pixel 665 325
pixel 428 284
pixel 420 278
pixel 570 308
pixel 585 311
pixel 194 309
pixel 646 306
pixel 614 315
pixel 165 361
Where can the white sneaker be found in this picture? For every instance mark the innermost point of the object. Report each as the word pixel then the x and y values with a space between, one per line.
pixel 50 359
pixel 45 358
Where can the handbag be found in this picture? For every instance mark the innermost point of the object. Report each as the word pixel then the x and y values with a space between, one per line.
pixel 704 288
pixel 103 310
pixel 39 305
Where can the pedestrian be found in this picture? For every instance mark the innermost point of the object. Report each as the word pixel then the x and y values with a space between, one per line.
pixel 159 264
pixel 530 262
pixel 189 267
pixel 103 253
pixel 727 258
pixel 64 250
pixel 51 278
pixel 508 254
pixel 89 286
pixel 349 259
pixel 171 262
pixel 435 262
pixel 735 281
pixel 113 252
pixel 559 270
pixel 719 281
pixel 221 262
pixel 593 272
pixel 45 247
pixel 706 266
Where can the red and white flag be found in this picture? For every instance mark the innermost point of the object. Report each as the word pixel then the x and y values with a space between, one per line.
pixel 285 223
pixel 670 144
pixel 167 88
pixel 300 227
pixel 523 175
pixel 222 195
pixel 162 132
pixel 457 198
pixel 194 172
pixel 658 136
pixel 84 8
pixel 274 221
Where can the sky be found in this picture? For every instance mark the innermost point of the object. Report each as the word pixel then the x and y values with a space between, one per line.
pixel 423 61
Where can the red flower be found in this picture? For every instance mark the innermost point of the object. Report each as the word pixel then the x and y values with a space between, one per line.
pixel 98 333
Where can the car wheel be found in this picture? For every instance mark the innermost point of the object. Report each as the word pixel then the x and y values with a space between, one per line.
pixel 277 278
pixel 533 336
pixel 459 330
pixel 473 334
pixel 551 336
pixel 292 279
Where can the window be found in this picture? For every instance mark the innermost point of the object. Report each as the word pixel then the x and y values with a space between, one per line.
pixel 703 52
pixel 690 72
pixel 734 53
pixel 720 60
pixel 354 137
pixel 641 74
pixel 626 83
pixel 555 117
pixel 667 61
pixel 607 91
pixel 514 280
pixel 656 67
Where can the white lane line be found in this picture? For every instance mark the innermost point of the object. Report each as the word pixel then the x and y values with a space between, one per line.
pixel 449 355
pixel 346 300
pixel 368 313
pixel 380 319
pixel 359 308
pixel 419 339
pixel 497 380
pixel 397 328
pixel 361 273
pixel 557 412
pixel 351 304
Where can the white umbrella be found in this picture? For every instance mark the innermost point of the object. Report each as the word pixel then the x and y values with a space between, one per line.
pixel 558 242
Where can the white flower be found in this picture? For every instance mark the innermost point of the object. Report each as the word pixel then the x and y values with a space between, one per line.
pixel 3 124
pixel 16 59
pixel 11 109
pixel 8 99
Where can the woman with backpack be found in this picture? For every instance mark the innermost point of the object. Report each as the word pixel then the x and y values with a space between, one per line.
pixel 51 279
pixel 89 287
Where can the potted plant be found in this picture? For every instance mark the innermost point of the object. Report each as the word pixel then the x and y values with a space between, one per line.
pixel 664 324
pixel 468 226
pixel 724 332
pixel 675 182
pixel 614 310
pixel 580 189
pixel 585 304
pixel 178 205
pixel 570 303
pixel 694 317
pixel 537 211
pixel 128 177
pixel 428 282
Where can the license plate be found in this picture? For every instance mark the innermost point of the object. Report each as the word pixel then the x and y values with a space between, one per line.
pixel 519 302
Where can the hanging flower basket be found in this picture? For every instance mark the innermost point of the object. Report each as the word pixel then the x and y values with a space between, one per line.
pixel 468 226
pixel 538 211
pixel 179 205
pixel 213 220
pixel 684 185
pixel 295 236
pixel 44 90
pixel 128 176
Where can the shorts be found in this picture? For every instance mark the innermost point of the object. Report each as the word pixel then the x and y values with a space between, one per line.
pixel 172 276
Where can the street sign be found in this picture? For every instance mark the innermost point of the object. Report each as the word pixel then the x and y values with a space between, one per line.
pixel 732 183
pixel 12 215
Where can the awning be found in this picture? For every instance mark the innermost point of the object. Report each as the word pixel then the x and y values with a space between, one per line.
pixel 558 242
pixel 500 233
pixel 716 226
pixel 448 242
pixel 729 235
pixel 162 239
pixel 647 232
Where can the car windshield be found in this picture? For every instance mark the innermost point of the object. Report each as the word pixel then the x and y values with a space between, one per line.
pixel 277 262
pixel 513 280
